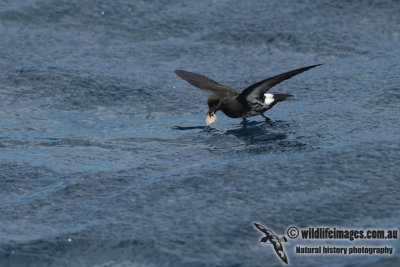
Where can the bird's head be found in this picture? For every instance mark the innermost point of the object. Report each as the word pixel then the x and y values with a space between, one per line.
pixel 214 104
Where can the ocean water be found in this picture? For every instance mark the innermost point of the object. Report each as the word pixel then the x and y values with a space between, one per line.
pixel 104 155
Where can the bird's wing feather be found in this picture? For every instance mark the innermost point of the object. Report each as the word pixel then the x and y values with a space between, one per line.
pixel 260 227
pixel 281 254
pixel 204 82
pixel 257 90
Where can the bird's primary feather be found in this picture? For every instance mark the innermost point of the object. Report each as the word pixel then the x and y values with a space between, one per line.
pixel 204 82
pixel 256 91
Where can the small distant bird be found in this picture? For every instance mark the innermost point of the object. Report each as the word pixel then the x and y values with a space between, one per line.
pixel 274 240
pixel 251 102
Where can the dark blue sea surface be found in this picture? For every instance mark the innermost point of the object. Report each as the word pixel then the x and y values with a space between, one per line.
pixel 104 155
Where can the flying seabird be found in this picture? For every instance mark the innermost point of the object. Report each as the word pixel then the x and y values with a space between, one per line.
pixel 274 240
pixel 251 102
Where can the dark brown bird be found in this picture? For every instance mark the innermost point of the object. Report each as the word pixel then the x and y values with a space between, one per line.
pixel 252 101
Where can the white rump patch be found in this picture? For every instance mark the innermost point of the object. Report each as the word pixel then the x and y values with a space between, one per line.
pixel 269 98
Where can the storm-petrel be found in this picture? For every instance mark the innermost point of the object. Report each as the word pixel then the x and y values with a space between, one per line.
pixel 252 101
pixel 274 240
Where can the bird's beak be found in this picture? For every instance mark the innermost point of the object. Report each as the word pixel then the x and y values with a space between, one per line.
pixel 210 117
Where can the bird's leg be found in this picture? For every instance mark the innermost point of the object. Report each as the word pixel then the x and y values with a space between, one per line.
pixel 265 117
pixel 244 122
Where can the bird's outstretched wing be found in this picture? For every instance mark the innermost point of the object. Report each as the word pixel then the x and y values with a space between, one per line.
pixel 281 254
pixel 204 82
pixel 261 228
pixel 257 90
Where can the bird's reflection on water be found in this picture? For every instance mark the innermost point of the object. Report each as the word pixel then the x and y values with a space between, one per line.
pixel 252 136
pixel 185 128
pixel 246 129
pixel 258 132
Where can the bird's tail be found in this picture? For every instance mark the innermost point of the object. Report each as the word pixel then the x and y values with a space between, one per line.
pixel 281 97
